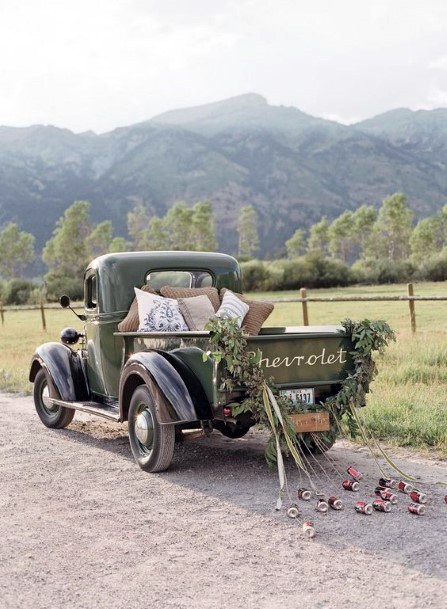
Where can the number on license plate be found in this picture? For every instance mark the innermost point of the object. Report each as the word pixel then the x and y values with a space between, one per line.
pixel 299 396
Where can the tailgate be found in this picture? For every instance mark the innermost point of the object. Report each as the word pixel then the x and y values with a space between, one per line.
pixel 304 356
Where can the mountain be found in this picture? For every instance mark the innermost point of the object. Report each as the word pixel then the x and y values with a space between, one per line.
pixel 291 166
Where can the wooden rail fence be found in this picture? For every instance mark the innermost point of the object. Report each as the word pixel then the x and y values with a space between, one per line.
pixel 410 297
pixel 303 299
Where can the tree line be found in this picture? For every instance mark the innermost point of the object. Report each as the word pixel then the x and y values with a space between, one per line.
pixel 368 244
pixel 75 241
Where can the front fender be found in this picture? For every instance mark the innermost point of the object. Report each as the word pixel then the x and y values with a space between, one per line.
pixel 64 368
pixel 174 404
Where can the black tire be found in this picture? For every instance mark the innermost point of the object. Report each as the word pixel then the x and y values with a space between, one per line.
pixel 55 417
pixel 230 430
pixel 152 444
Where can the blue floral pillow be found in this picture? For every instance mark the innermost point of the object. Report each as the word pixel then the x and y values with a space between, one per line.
pixel 158 314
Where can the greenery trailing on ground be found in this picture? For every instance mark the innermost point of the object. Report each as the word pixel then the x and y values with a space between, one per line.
pixel 229 344
pixel 367 336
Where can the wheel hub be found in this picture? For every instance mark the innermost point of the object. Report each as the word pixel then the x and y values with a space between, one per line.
pixel 47 403
pixel 144 428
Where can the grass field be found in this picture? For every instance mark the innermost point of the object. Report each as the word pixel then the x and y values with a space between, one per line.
pixel 408 402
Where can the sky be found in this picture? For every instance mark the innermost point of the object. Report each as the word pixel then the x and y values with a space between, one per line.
pixel 100 64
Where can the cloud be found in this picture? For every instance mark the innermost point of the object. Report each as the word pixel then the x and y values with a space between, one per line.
pixel 437 97
pixel 96 65
pixel 438 64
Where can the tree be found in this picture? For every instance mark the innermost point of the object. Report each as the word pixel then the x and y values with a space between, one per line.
pixel 364 219
pixel 137 226
pixel 424 240
pixel 340 235
pixel 393 228
pixel 157 236
pixel 67 252
pixel 296 245
pixel 203 227
pixel 248 232
pixel 16 251
pixel 119 244
pixel 100 238
pixel 177 223
pixel 319 237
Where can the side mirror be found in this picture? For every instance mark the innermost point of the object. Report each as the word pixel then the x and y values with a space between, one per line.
pixel 64 301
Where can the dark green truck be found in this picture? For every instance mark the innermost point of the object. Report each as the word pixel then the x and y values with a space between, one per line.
pixel 158 381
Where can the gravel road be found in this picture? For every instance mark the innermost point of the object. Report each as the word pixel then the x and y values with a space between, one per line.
pixel 82 526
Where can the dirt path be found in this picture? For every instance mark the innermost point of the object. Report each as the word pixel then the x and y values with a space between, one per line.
pixel 82 526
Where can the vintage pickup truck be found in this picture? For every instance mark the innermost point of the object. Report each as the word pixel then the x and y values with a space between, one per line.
pixel 159 381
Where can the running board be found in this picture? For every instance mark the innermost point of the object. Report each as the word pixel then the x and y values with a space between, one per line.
pixel 96 408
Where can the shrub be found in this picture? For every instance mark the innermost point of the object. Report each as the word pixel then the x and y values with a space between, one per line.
pixel 3 289
pixel 255 275
pixel 434 269
pixel 327 273
pixel 56 285
pixel 382 271
pixel 18 291
pixel 311 271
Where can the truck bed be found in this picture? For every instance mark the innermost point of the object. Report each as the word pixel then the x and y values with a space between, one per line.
pixel 294 356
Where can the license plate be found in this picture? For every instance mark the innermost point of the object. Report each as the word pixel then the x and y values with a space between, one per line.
pixel 299 396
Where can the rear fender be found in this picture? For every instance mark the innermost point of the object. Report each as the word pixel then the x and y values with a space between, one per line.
pixel 64 368
pixel 172 397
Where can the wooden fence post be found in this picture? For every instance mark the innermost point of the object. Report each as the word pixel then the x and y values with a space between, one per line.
pixel 2 313
pixel 42 313
pixel 303 295
pixel 412 308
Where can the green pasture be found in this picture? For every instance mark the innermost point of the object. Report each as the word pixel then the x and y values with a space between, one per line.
pixel 408 402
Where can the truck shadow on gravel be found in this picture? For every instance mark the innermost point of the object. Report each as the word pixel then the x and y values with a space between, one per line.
pixel 234 472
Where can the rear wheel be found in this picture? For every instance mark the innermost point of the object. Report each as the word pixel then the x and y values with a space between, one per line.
pixel 152 444
pixel 231 430
pixel 50 414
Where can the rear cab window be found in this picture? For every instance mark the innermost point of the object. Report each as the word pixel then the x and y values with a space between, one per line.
pixel 179 279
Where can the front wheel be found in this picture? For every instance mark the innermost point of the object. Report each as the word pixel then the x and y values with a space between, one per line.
pixel 152 444
pixel 50 414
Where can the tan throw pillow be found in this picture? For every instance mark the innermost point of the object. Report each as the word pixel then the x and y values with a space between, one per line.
pixel 257 313
pixel 172 292
pixel 131 321
pixel 196 311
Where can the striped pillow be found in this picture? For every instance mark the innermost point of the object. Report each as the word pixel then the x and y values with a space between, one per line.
pixel 232 307
pixel 257 314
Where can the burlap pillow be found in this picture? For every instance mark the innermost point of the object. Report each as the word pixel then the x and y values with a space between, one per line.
pixel 257 313
pixel 172 292
pixel 196 311
pixel 131 321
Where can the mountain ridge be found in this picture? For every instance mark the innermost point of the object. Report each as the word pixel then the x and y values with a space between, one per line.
pixel 292 167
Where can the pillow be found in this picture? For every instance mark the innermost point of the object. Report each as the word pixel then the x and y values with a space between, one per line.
pixel 172 292
pixel 196 311
pixel 257 313
pixel 131 321
pixel 232 307
pixel 158 314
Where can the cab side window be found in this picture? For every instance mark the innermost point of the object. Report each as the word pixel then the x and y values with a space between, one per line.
pixel 90 296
